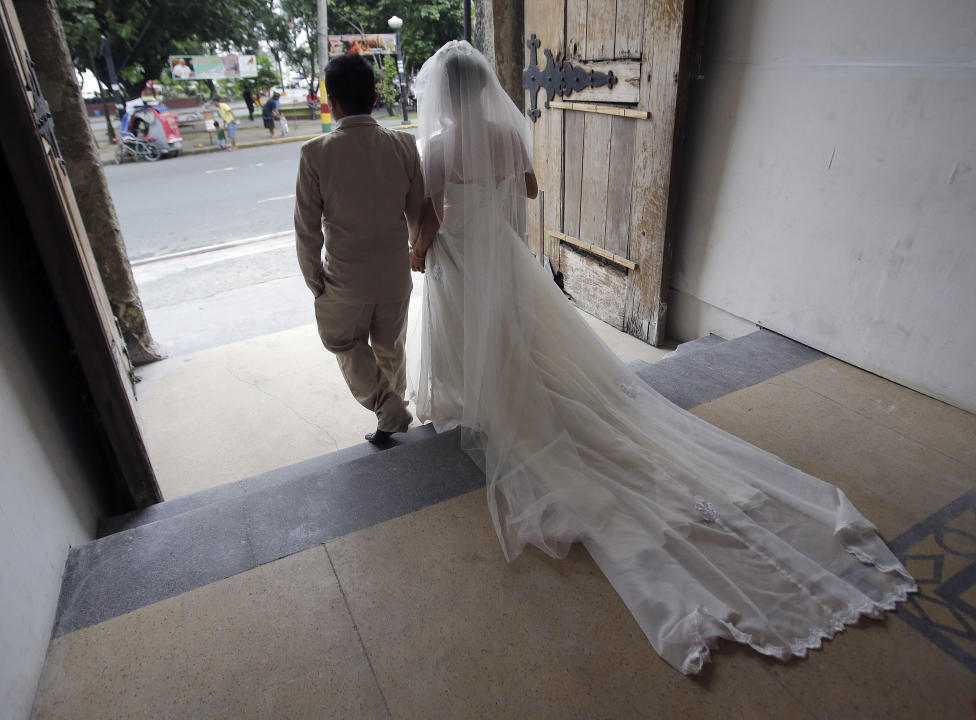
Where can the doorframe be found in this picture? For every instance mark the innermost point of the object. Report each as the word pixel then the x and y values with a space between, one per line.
pixel 59 234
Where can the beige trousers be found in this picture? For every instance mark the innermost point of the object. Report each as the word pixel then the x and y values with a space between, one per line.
pixel 368 341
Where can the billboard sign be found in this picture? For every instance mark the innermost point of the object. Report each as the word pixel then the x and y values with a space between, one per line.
pixel 212 67
pixel 366 44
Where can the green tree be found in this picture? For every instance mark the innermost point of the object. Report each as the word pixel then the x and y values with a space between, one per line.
pixel 387 84
pixel 265 79
pixel 143 34
pixel 302 52
pixel 427 24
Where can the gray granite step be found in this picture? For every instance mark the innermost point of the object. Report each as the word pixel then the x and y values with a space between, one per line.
pixel 694 378
pixel 694 345
pixel 263 519
pixel 314 466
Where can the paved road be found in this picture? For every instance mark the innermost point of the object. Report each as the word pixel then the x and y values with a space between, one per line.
pixel 199 300
pixel 200 200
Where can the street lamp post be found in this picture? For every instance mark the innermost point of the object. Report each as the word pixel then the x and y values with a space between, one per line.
pixel 395 24
pixel 326 112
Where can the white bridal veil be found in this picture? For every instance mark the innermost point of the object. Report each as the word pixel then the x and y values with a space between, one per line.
pixel 703 535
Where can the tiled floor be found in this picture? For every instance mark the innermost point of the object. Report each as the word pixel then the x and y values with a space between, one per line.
pixel 420 617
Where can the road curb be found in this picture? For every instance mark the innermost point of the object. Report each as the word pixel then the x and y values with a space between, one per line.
pixel 260 143
pixel 253 143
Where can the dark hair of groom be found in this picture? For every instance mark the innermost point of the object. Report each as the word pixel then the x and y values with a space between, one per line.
pixel 350 81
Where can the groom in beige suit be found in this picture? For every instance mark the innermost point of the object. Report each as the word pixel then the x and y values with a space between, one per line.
pixel 363 185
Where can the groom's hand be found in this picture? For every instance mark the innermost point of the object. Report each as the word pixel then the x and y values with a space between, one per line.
pixel 416 262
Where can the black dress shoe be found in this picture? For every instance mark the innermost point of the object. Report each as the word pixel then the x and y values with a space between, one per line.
pixel 379 437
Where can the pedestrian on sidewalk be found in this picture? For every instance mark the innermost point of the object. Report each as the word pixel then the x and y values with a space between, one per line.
pixel 268 112
pixel 221 139
pixel 230 121
pixel 249 101
pixel 363 185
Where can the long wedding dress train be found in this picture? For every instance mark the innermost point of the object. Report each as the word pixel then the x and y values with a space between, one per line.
pixel 702 534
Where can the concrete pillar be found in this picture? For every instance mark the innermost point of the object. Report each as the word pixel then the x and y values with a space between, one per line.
pixel 499 33
pixel 56 75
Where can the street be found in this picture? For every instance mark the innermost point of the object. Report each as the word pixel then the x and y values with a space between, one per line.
pixel 212 245
pixel 194 201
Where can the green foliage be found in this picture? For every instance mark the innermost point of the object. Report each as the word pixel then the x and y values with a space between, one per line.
pixel 142 34
pixel 302 52
pixel 387 83
pixel 81 30
pixel 427 24
pixel 266 78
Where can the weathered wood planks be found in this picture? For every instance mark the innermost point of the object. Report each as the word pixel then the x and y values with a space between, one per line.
pixel 665 22
pixel 597 288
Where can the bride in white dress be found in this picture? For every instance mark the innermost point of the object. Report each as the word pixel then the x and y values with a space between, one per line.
pixel 703 535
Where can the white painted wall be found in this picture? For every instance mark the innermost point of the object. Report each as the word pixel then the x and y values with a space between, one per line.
pixel 44 508
pixel 830 193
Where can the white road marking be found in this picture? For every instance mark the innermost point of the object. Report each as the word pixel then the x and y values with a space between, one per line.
pixel 220 170
pixel 280 197
pixel 210 248
pixel 175 266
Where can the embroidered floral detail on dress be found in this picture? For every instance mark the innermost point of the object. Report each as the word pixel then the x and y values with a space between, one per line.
pixel 629 389
pixel 436 272
pixel 707 510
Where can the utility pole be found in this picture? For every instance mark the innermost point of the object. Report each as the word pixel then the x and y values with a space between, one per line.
pixel 112 79
pixel 108 116
pixel 323 61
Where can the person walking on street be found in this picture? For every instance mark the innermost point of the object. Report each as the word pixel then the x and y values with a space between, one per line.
pixel 363 183
pixel 230 121
pixel 249 101
pixel 269 111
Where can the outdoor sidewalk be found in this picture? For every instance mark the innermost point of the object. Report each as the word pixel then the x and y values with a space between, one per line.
pixel 250 133
pixel 241 409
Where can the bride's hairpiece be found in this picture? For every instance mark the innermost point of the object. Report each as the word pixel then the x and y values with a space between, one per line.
pixel 456 57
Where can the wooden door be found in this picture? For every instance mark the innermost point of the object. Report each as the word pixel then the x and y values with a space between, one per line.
pixel 30 149
pixel 604 154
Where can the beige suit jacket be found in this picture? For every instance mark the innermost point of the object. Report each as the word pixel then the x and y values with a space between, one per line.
pixel 363 185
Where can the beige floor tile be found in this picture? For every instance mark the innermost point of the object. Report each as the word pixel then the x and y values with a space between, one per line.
pixel 249 705
pixel 230 412
pixel 932 423
pixel 127 667
pixel 892 479
pixel 881 669
pixel 624 346
pixel 454 631
pixel 268 626
pixel 343 691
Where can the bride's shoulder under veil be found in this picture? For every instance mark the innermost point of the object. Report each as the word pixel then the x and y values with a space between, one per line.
pixel 704 536
pixel 469 130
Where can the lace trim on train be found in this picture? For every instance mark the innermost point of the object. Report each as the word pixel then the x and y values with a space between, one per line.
pixel 628 388
pixel 699 653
